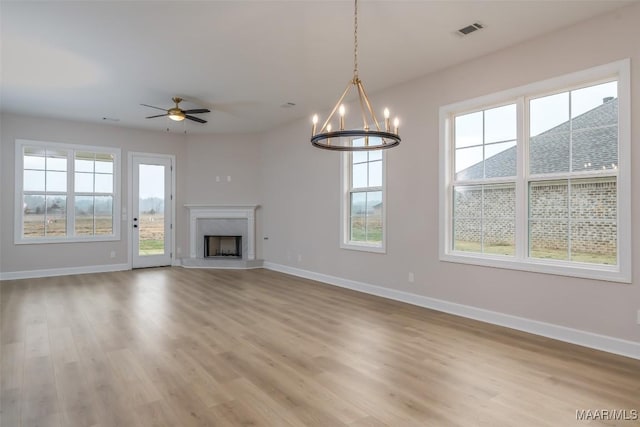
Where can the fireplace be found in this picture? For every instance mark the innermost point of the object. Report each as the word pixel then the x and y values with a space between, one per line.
pixel 223 247
pixel 224 221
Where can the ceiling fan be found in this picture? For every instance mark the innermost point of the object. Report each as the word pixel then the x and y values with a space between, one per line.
pixel 178 114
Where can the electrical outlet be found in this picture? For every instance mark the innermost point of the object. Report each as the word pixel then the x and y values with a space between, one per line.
pixel 112 254
pixel 218 178
pixel 179 250
pixel 411 278
pixel 228 178
pixel 299 258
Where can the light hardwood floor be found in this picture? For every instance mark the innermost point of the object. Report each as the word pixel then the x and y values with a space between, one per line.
pixel 178 347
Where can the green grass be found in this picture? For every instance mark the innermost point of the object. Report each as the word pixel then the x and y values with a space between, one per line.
pixel 540 253
pixel 151 247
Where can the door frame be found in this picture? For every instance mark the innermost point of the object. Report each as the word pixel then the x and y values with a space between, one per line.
pixel 127 215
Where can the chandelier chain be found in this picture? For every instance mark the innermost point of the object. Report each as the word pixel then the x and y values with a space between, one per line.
pixel 355 42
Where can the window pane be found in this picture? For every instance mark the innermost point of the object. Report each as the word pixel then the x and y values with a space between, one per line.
pixel 104 183
pixel 548 239
pixel 151 205
pixel 33 162
pixel 360 175
pixel 83 165
pixel 499 237
pixel 56 220
pixel 594 242
pixel 468 130
pixel 549 200
pixel 57 163
pixel 103 210
pixel 375 174
pixel 84 215
pixel 549 220
pixel 84 182
pixel 467 227
pixel 589 98
pixel 358 203
pixel 549 152
pixel 499 219
pixel 375 155
pixel 500 124
pixel 500 159
pixel 593 220
pixel 358 216
pixel 594 199
pixel 359 156
pixel 595 148
pixel 56 181
pixel 469 163
pixel 484 219
pixel 374 216
pixel 33 180
pixel 548 112
pixel 34 214
pixel 103 166
pixel 374 202
pixel 499 202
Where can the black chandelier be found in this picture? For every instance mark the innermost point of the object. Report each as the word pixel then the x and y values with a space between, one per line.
pixel 366 138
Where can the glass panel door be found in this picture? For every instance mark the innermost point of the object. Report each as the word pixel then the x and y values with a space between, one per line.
pixel 151 210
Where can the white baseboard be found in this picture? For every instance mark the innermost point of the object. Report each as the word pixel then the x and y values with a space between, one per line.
pixel 32 274
pixel 549 330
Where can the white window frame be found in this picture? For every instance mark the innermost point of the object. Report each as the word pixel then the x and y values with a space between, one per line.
pixel 345 207
pixel 622 272
pixel 71 149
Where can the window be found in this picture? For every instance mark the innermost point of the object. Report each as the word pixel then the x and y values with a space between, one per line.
pixel 66 192
pixel 363 200
pixel 536 178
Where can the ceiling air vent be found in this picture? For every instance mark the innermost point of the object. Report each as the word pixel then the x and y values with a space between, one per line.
pixel 469 29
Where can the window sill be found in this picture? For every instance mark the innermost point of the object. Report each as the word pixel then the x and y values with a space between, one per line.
pixel 364 247
pixel 611 273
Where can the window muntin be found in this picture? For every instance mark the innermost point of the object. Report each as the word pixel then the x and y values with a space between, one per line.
pixel 571 185
pixel 363 204
pixel 66 193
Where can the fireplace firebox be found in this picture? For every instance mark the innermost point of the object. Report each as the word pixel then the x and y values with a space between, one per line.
pixel 223 247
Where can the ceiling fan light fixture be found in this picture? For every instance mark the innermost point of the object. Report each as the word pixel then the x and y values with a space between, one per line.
pixel 373 135
pixel 176 115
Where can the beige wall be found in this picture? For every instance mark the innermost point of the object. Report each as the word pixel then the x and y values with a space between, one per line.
pixel 211 156
pixel 302 205
pixel 20 258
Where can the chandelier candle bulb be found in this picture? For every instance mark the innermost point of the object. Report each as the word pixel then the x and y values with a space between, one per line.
pixel 387 124
pixel 341 117
pixel 329 131
pixel 396 123
pixel 315 123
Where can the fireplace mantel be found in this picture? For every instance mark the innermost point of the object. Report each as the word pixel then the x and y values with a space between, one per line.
pixel 203 211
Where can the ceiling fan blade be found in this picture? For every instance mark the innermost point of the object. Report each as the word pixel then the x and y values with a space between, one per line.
pixel 151 106
pixel 159 115
pixel 195 119
pixel 197 111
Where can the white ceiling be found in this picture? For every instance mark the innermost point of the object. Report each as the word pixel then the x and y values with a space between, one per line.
pixel 85 60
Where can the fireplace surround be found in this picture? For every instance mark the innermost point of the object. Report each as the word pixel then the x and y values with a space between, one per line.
pixel 220 220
